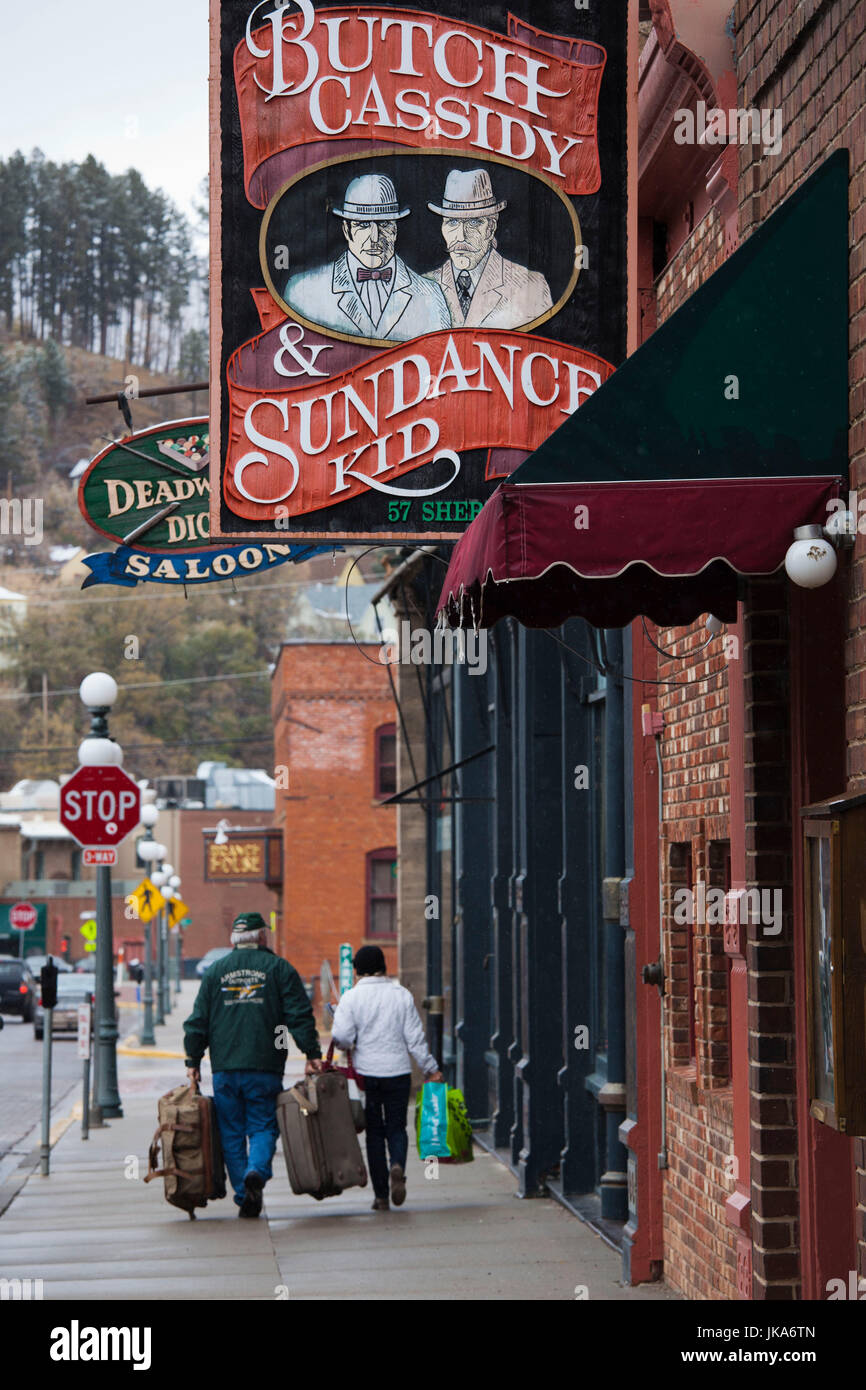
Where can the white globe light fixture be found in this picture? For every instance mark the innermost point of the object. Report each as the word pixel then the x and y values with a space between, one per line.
pixel 174 882
pixel 98 690
pixel 157 878
pixel 149 816
pixel 811 560
pixel 167 893
pixel 168 870
pixel 99 752
pixel 148 851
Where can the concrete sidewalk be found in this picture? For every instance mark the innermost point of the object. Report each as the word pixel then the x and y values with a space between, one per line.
pixel 94 1230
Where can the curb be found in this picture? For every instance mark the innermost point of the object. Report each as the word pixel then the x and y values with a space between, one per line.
pixel 131 1047
pixel 124 1051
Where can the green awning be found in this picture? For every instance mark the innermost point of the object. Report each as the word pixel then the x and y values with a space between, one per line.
pixel 745 384
pixel 774 318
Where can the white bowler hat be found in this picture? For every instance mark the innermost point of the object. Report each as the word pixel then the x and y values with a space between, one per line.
pixel 468 193
pixel 371 198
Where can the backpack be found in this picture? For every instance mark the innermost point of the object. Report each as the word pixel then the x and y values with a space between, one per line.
pixel 192 1156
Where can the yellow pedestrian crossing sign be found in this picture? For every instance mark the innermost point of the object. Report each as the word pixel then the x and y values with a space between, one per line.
pixel 147 900
pixel 177 910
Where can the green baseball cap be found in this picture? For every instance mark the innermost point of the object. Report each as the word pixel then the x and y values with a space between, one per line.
pixel 250 921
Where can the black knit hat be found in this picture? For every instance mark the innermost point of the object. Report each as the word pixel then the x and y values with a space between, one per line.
pixel 369 960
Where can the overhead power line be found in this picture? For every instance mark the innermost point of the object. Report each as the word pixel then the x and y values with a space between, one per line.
pixel 146 685
pixel 143 747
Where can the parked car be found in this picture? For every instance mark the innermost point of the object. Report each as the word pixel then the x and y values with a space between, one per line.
pixel 18 989
pixel 35 964
pixel 86 965
pixel 73 989
pixel 207 960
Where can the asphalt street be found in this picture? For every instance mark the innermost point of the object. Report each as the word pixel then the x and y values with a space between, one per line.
pixel 21 1081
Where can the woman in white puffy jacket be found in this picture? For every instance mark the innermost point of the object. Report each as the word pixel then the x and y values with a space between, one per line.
pixel 379 1022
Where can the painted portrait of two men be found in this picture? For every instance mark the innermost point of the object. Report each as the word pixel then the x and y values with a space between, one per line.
pixel 370 292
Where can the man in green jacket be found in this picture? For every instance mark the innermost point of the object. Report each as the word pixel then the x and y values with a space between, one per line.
pixel 247 1004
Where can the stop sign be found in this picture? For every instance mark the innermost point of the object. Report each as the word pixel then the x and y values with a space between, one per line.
pixel 100 805
pixel 22 917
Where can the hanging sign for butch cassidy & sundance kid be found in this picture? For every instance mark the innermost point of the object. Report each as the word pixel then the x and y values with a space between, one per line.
pixel 418 228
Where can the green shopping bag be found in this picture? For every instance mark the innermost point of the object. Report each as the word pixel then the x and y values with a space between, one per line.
pixel 442 1126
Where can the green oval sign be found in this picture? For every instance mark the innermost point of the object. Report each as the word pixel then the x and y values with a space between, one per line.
pixel 152 490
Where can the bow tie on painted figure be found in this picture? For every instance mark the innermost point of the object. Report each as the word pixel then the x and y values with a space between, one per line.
pixel 384 274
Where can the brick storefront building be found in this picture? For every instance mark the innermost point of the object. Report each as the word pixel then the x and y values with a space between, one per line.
pixel 759 1199
pixel 656 1070
pixel 334 743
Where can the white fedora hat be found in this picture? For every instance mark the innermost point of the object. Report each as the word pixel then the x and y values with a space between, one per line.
pixel 371 198
pixel 468 193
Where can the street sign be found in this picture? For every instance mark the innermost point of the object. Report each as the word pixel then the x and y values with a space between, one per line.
pixel 346 975
pixel 100 857
pixel 100 806
pixel 84 1031
pixel 23 917
pixel 177 910
pixel 88 931
pixel 151 490
pixel 147 900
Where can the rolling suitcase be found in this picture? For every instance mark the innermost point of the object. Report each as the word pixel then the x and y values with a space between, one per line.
pixel 193 1167
pixel 320 1145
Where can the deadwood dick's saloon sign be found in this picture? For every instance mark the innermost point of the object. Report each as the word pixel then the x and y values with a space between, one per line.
pixel 419 237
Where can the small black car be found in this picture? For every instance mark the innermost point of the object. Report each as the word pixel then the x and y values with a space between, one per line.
pixel 18 989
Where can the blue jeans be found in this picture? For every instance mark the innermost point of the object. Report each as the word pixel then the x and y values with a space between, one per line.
pixel 386 1100
pixel 246 1109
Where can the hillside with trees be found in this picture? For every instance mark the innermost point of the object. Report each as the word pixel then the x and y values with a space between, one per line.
pixel 96 275
pixel 94 260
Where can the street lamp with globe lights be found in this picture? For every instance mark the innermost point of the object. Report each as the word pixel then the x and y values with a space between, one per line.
pixel 159 878
pixel 178 941
pixel 165 967
pixel 148 850
pixel 98 692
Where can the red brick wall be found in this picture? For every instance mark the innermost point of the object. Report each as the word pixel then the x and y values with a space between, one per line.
pixel 331 819
pixel 697 258
pixel 808 60
pixel 700 1248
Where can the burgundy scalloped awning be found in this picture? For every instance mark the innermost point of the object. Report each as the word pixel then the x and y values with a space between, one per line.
pixel 669 550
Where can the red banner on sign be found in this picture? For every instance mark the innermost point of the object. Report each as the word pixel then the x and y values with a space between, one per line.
pixel 379 415
pixel 316 85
